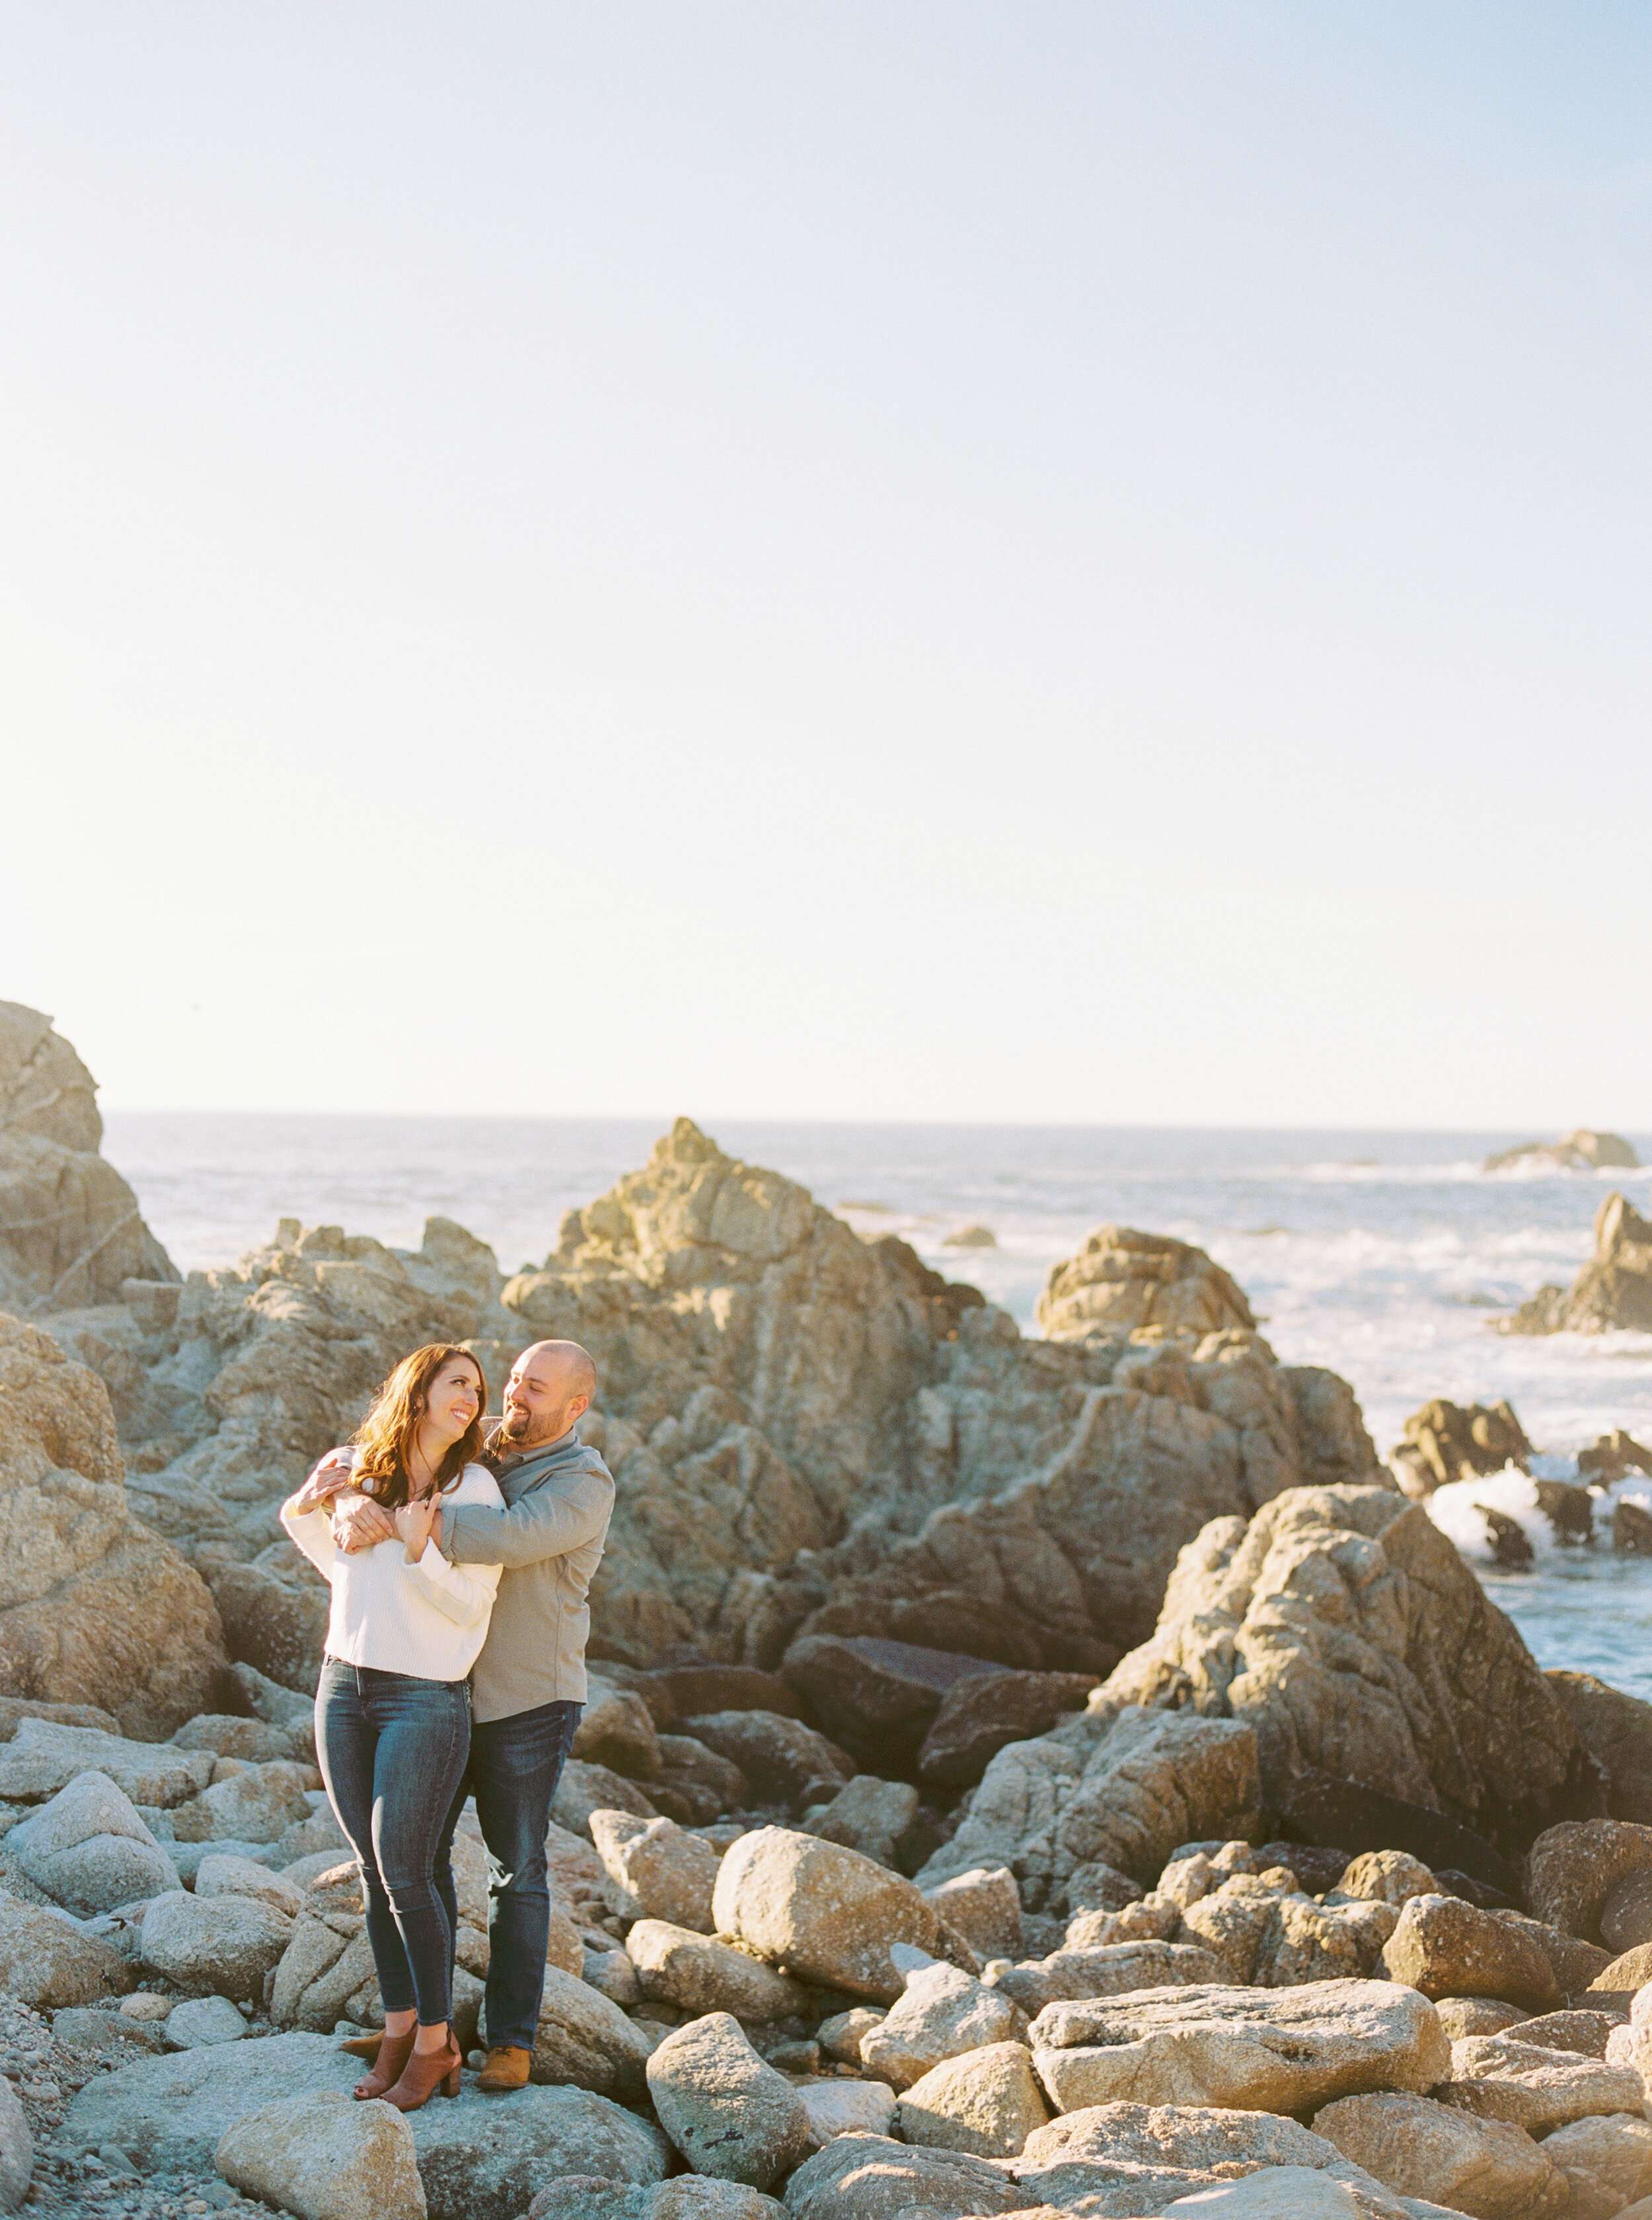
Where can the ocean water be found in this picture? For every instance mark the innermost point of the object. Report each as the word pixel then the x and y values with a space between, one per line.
pixel 1385 1256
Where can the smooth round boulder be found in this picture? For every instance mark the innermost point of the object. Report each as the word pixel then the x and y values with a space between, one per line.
pixel 220 1945
pixel 728 2112
pixel 825 1912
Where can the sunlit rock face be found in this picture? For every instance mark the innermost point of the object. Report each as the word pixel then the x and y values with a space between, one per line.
pixel 1122 1279
pixel 69 1229
pixel 94 1607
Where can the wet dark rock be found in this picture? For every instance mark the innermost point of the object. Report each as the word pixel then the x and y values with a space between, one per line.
pixel 1631 1530
pixel 1321 1808
pixel 1614 1457
pixel 1454 1882
pixel 276 1626
pixel 877 1698
pixel 1569 1511
pixel 782 1759
pixel 1510 1547
pixel 707 1686
pixel 978 1714
pixel 1616 1729
pixel 946 1618
pixel 1317 1866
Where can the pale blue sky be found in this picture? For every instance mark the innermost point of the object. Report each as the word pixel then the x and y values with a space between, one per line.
pixel 1083 562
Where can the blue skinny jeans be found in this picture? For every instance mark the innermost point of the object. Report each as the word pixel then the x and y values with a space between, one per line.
pixel 393 1750
pixel 514 1766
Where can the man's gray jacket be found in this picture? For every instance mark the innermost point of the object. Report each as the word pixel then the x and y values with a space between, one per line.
pixel 549 1538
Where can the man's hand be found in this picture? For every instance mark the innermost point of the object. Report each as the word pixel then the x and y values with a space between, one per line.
pixel 413 1523
pixel 359 1523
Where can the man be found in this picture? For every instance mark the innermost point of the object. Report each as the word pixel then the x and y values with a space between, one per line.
pixel 529 1685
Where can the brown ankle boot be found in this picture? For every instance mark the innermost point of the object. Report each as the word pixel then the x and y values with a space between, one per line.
pixel 425 2072
pixel 364 2046
pixel 394 2051
pixel 507 2068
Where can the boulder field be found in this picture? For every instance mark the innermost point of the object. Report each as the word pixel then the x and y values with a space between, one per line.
pixel 1020 1776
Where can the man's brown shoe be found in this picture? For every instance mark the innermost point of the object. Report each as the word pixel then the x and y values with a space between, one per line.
pixel 504 2068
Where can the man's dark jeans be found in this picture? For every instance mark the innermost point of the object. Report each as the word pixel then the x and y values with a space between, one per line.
pixel 514 1766
pixel 392 1750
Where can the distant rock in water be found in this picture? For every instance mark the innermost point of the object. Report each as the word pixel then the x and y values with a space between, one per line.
pixel 971 1237
pixel 1122 1279
pixel 1445 1441
pixel 1613 1457
pixel 1612 1291
pixel 1582 1152
pixel 69 1229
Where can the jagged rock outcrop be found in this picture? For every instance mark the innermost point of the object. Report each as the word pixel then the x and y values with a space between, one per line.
pixel 268 1364
pixel 1122 1279
pixel 1343 1627
pixel 1445 1441
pixel 1121 1787
pixel 70 1228
pixel 1612 1291
pixel 1072 1556
pixel 94 1607
pixel 1584 1150
pixel 800 1422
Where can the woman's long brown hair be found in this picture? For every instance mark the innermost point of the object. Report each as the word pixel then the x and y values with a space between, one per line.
pixel 385 1437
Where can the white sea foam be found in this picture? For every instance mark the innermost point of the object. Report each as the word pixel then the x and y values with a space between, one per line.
pixel 1459 1510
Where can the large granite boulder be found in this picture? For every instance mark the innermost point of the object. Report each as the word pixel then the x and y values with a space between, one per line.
pixel 1287 2050
pixel 70 1232
pixel 477 2159
pixel 1116 2160
pixel 95 1608
pixel 325 2155
pixel 728 2112
pixel 768 1377
pixel 1612 1291
pixel 49 1962
pixel 1326 1625
pixel 868 2177
pixel 1423 2149
pixel 89 1849
pixel 825 1912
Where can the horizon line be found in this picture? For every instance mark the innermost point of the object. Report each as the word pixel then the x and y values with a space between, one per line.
pixel 664 1121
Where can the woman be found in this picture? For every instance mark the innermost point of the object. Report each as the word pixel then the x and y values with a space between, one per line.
pixel 392 1710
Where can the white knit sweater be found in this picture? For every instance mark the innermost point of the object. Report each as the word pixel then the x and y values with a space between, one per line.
pixel 427 1619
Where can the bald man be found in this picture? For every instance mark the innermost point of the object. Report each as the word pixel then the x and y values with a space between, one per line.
pixel 527 1689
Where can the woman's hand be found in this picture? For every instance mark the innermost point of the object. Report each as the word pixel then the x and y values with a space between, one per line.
pixel 413 1522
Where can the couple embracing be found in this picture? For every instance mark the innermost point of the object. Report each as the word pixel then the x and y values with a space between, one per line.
pixel 460 1560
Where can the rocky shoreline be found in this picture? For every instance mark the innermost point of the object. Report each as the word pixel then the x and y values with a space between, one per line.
pixel 1058 1776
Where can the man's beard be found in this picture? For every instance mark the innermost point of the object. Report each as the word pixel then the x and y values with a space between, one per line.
pixel 517 1430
